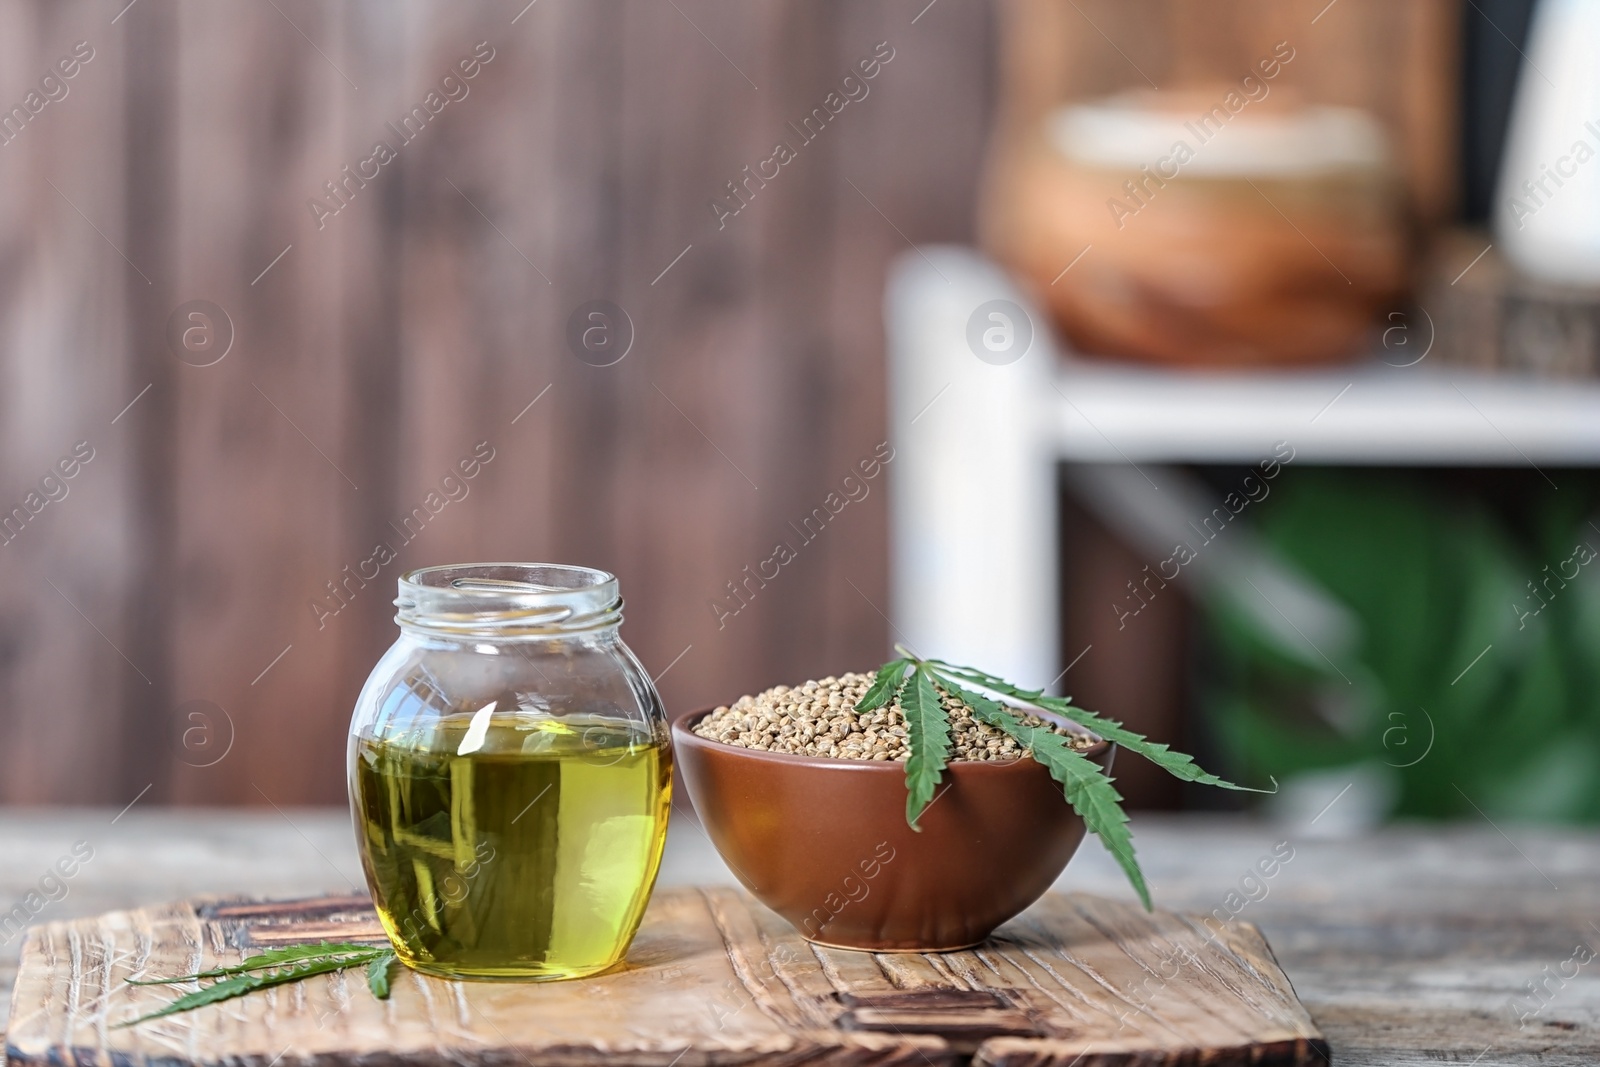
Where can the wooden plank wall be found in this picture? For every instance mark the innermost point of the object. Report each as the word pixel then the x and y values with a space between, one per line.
pixel 160 614
pixel 422 319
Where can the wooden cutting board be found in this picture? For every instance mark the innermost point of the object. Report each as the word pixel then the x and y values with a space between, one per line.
pixel 713 978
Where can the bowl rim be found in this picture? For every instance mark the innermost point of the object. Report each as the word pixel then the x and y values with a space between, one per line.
pixel 683 732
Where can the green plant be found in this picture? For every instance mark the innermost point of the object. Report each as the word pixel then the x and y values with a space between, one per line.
pixel 918 684
pixel 276 967
pixel 1470 678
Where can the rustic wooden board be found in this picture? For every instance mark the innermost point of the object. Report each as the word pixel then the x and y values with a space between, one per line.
pixel 713 978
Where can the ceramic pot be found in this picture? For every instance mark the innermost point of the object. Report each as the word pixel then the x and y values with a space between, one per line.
pixel 1156 236
pixel 824 842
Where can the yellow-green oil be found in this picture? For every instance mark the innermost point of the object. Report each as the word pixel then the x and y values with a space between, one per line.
pixel 516 847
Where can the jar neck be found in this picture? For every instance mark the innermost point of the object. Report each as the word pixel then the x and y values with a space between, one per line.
pixel 485 640
pixel 508 602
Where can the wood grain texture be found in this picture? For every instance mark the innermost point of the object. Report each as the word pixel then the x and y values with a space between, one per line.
pixel 1412 946
pixel 426 315
pixel 67 369
pixel 712 977
pixel 424 318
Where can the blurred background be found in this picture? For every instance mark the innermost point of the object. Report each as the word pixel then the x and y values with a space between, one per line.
pixel 661 275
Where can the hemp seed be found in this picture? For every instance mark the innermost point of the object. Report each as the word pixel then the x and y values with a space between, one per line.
pixel 819 718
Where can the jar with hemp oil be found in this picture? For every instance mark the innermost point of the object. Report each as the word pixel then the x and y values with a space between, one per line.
pixel 510 777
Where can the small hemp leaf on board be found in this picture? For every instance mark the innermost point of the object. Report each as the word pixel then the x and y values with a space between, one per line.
pixel 275 967
pixel 918 686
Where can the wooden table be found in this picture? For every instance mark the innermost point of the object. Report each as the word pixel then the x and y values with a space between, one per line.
pixel 1414 945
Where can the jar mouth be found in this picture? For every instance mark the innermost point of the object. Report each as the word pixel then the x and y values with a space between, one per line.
pixel 507 599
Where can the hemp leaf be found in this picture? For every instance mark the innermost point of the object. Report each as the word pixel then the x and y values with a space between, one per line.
pixel 1086 787
pixel 281 966
pixel 378 969
pixel 273 957
pixel 886 686
pixel 928 737
pixel 1174 763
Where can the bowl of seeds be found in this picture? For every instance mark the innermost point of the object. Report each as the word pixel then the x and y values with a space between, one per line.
pixel 816 798
pixel 914 809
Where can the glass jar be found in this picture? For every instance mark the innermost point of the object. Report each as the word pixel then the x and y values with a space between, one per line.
pixel 510 776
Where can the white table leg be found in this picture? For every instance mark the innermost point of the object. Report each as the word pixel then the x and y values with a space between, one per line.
pixel 973 484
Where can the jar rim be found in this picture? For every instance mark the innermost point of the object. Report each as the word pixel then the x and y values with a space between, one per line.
pixel 507 599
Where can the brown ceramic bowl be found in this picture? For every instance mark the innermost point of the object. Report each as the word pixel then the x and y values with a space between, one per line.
pixel 824 842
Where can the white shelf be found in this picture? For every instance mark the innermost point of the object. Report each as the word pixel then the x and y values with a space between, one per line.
pixel 1423 416
pixel 980 585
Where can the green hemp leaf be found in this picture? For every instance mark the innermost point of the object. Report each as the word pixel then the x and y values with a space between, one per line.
pixel 378 969
pixel 1086 787
pixel 928 736
pixel 1174 763
pixel 278 966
